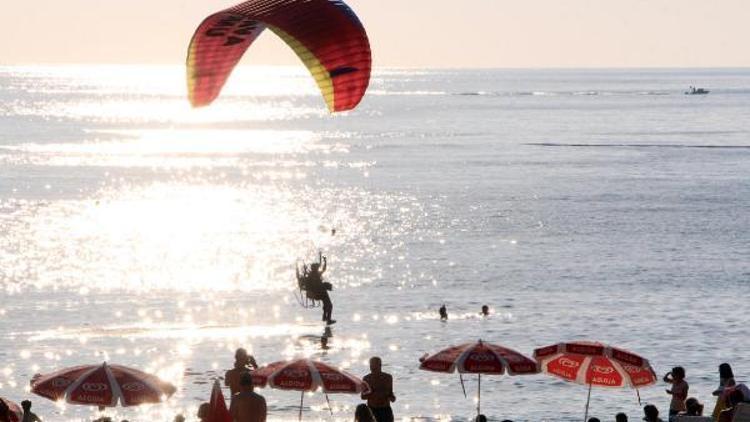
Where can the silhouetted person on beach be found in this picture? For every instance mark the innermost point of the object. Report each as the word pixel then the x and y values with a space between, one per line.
pixel 651 413
pixel 443 313
pixel 726 381
pixel 734 398
pixel 203 412
pixel 485 311
pixel 381 395
pixel 693 407
pixel 28 415
pixel 248 406
pixel 679 390
pixel 4 412
pixel 363 414
pixel 621 417
pixel 243 363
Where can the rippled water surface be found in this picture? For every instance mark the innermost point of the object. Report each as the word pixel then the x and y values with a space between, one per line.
pixel 603 205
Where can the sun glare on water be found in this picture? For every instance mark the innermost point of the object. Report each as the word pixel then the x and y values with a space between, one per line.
pixel 163 237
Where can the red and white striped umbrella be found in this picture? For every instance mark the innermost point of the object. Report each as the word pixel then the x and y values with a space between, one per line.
pixel 15 413
pixel 308 375
pixel 479 358
pixel 102 385
pixel 596 365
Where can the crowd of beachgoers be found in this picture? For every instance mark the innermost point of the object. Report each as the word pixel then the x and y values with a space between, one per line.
pixel 245 405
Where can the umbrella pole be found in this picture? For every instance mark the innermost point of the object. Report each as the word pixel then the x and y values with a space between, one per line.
pixel 330 409
pixel 479 394
pixel 638 393
pixel 463 387
pixel 588 401
pixel 301 402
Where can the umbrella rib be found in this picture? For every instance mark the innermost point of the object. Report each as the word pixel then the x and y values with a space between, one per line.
pixel 145 381
pixel 271 379
pixel 623 373
pixel 503 362
pixel 315 377
pixel 116 391
pixel 585 366
pixel 458 364
pixel 77 383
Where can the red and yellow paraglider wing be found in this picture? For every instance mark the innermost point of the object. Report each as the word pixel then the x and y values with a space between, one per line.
pixel 217 46
pixel 332 43
pixel 326 35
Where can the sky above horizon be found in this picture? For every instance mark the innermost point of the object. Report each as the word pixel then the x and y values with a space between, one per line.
pixel 404 33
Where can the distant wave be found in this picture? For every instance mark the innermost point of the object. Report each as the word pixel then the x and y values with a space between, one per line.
pixel 673 133
pixel 413 93
pixel 575 145
pixel 563 93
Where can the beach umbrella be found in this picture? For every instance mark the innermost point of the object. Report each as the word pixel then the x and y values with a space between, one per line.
pixel 12 410
pixel 596 365
pixel 102 385
pixel 308 375
pixel 479 358
pixel 217 406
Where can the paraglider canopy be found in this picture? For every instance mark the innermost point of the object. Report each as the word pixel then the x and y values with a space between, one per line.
pixel 325 34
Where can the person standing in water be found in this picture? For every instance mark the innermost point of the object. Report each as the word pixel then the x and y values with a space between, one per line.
pixel 381 395
pixel 243 363
pixel 443 311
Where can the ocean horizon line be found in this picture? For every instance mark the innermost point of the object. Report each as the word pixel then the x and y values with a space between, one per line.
pixel 386 68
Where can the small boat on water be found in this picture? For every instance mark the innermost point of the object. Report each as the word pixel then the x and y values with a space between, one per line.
pixel 696 91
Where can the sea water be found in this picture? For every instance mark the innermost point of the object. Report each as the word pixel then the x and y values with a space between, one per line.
pixel 577 204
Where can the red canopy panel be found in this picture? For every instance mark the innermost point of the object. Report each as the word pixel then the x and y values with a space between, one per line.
pixel 326 35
